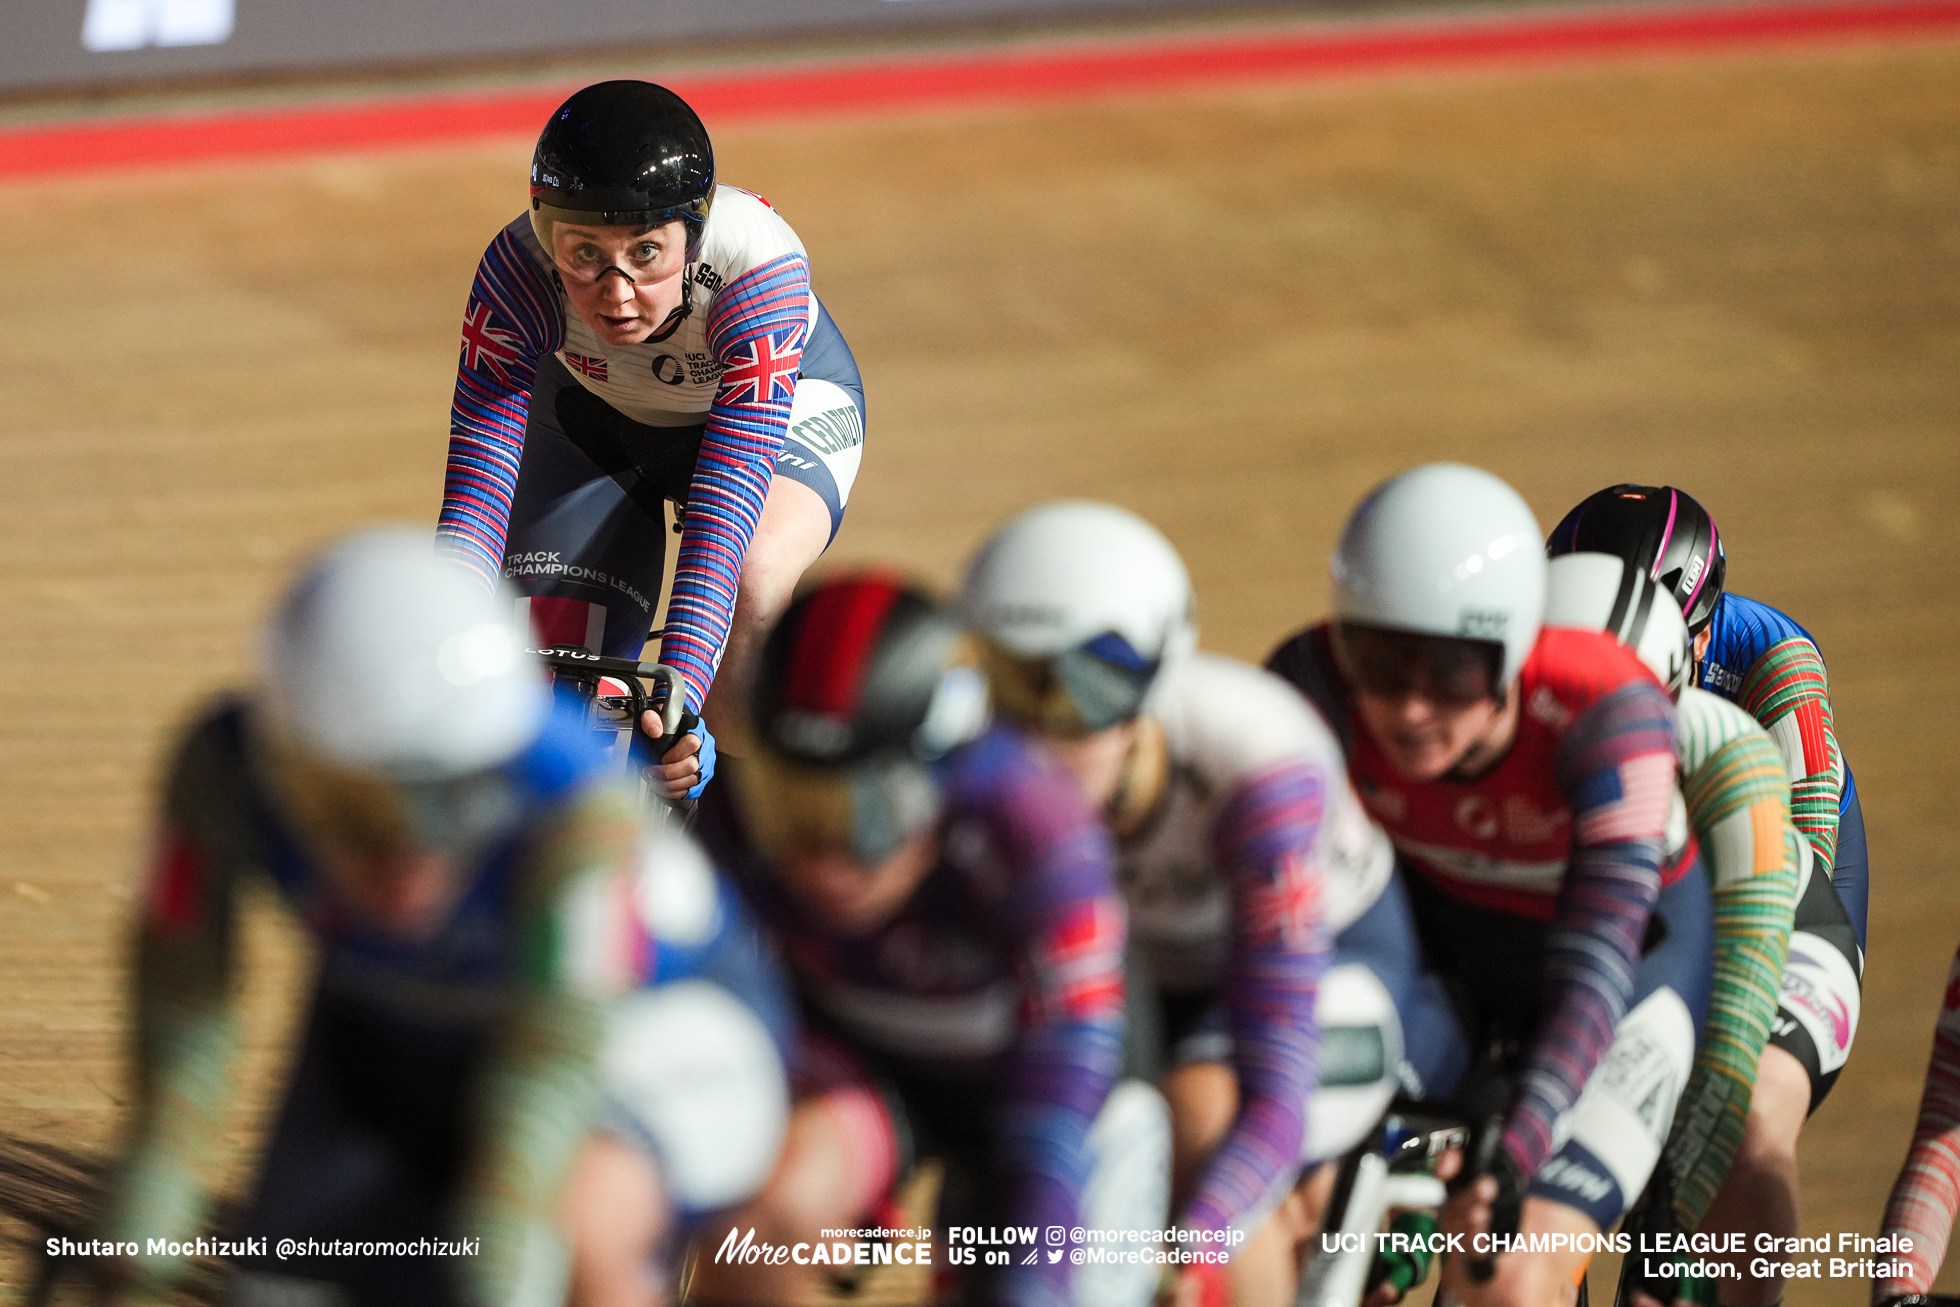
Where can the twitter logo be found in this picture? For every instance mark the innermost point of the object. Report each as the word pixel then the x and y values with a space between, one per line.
pixel 1054 1255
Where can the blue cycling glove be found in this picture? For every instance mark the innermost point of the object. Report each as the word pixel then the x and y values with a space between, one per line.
pixel 700 729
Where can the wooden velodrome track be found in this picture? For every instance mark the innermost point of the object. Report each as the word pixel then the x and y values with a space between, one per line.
pixel 1232 309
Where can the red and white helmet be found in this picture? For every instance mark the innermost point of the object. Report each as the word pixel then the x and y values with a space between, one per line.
pixel 1445 550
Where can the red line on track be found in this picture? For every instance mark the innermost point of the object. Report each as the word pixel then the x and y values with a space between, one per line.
pixel 1019 76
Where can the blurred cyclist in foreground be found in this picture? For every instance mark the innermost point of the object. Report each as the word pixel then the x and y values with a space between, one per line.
pixel 1260 894
pixel 483 903
pixel 943 897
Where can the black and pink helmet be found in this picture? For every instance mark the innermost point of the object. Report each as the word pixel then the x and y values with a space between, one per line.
pixel 1659 530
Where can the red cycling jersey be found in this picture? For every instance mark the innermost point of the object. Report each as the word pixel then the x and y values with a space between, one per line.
pixel 1503 840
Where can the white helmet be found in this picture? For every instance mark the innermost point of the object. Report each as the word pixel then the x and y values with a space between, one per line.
pixel 1599 592
pixel 1445 550
pixel 388 660
pixel 1083 606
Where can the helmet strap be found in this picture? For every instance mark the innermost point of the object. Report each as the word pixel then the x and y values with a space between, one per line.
pixel 681 310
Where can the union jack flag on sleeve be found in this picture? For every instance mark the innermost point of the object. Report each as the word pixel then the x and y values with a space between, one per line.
pixel 513 319
pixel 756 331
pixel 1263 836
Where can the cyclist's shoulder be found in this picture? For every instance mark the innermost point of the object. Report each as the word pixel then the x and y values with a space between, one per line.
pixel 1006 774
pixel 1569 671
pixel 1755 650
pixel 514 256
pixel 1744 629
pixel 516 305
pixel 1306 650
pixel 1740 614
pixel 216 728
pixel 1707 724
pixel 211 776
pixel 1011 808
pixel 744 232
pixel 1305 660
pixel 1226 719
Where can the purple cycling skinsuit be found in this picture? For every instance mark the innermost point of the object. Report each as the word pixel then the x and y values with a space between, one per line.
pixel 982 1022
pixel 562 448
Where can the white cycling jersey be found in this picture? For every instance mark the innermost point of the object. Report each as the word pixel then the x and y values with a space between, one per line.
pixel 1225 723
pixel 672 382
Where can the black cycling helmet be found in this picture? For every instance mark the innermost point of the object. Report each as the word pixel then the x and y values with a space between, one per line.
pixel 1658 530
pixel 623 154
pixel 864 681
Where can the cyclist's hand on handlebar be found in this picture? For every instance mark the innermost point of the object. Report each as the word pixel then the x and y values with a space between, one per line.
pixel 1488 1203
pixel 686 768
pixel 1468 1209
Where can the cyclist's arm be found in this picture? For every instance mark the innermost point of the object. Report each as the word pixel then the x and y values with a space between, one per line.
pixel 1926 1195
pixel 1787 692
pixel 756 331
pixel 582 942
pixel 1616 767
pixel 513 319
pixel 185 1030
pixel 1264 837
pixel 1738 805
pixel 1065 924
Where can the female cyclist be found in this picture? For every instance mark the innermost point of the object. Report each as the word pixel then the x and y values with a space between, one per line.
pixel 642 335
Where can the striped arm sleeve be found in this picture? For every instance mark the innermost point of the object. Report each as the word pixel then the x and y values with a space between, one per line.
pixel 1065 928
pixel 1926 1195
pixel 1738 805
pixel 184 1025
pixel 582 942
pixel 1787 692
pixel 1616 768
pixel 1264 837
pixel 512 320
pixel 756 331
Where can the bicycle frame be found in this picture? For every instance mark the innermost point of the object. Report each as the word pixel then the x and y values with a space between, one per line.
pixel 1388 1171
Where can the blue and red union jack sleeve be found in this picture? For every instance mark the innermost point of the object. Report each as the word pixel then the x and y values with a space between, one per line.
pixel 1065 926
pixel 756 330
pixel 512 320
pixel 1264 838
